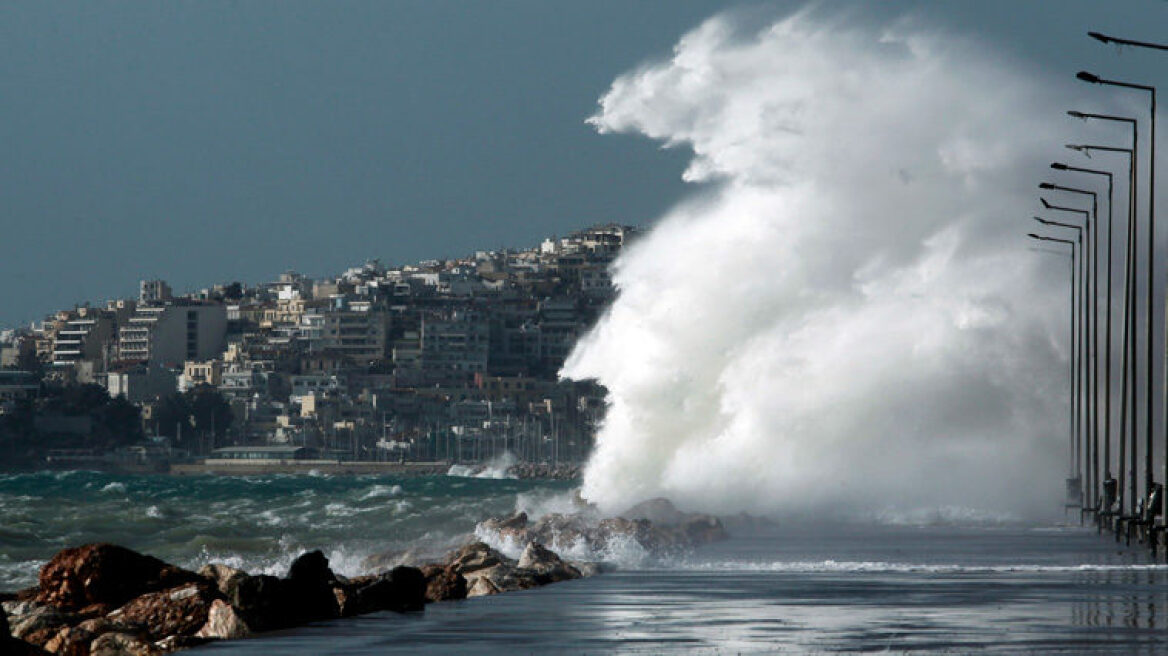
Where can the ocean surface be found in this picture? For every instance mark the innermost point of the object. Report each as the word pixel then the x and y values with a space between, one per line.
pixel 924 583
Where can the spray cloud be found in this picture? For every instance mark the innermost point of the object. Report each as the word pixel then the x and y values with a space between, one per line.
pixel 846 313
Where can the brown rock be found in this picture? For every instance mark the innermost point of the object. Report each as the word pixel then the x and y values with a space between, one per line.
pixel 223 623
pixel 177 611
pixel 481 587
pixel 105 574
pixel 545 563
pixel 475 556
pixel 36 623
pixel 70 641
pixel 443 583
pixel 504 578
pixel 121 644
pixel 41 637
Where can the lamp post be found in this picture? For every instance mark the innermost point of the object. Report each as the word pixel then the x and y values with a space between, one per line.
pixel 1108 481
pixel 1072 423
pixel 1095 79
pixel 1078 310
pixel 1128 350
pixel 1091 301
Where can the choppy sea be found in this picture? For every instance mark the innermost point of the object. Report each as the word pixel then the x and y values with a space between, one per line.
pixel 933 583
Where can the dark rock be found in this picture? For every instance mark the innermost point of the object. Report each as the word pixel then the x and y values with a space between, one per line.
pixel 178 611
pixel 14 647
pixel 105 574
pixel 262 602
pixel 443 583
pixel 311 569
pixel 5 631
pixel 310 584
pixel 402 589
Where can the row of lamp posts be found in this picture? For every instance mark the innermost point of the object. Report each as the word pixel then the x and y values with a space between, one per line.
pixel 1115 502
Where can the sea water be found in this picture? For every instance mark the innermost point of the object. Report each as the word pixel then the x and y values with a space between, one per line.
pixel 927 583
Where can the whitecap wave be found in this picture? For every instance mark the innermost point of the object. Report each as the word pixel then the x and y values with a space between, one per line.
pixel 379 491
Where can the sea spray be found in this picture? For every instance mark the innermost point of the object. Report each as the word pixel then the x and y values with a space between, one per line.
pixel 846 316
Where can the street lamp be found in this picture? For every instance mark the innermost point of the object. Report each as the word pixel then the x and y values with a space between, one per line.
pixel 1129 358
pixel 1125 42
pixel 1077 359
pixel 1108 481
pixel 1095 79
pixel 1091 334
pixel 1072 425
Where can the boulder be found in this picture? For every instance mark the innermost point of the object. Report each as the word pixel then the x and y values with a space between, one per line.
pixel 702 529
pixel 70 641
pixel 659 511
pixel 122 644
pixel 504 578
pixel 475 556
pixel 401 589
pixel 36 623
pixel 223 623
pixel 224 577
pixel 513 528
pixel 561 531
pixel 262 603
pixel 481 587
pixel 311 569
pixel 546 564
pixel 105 574
pixel 178 611
pixel 310 586
pixel 443 583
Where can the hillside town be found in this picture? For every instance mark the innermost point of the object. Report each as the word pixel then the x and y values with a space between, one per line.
pixel 440 361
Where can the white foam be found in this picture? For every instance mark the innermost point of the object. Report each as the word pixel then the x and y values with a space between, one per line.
pixel 379 491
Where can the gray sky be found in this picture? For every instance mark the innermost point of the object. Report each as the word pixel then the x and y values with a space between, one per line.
pixel 213 141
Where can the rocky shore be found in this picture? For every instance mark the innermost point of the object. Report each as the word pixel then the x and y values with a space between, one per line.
pixel 107 600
